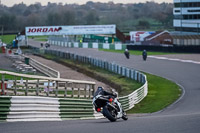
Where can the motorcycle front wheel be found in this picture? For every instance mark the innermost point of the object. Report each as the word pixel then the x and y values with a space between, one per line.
pixel 109 113
pixel 124 116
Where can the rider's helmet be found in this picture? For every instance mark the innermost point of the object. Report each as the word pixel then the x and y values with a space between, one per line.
pixel 100 88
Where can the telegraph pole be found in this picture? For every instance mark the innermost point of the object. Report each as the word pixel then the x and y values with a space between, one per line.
pixel 1 33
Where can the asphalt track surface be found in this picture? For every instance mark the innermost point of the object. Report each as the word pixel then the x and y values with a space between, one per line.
pixel 181 117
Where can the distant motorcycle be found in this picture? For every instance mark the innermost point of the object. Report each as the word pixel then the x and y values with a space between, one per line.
pixel 127 54
pixel 109 107
pixel 144 55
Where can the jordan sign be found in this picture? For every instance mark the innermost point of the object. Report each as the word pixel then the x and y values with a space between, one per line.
pixel 71 30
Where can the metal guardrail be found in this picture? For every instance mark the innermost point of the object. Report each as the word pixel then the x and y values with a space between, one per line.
pixel 128 102
pixel 31 85
pixel 44 69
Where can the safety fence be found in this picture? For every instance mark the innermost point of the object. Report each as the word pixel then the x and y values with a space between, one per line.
pixel 58 41
pixel 15 84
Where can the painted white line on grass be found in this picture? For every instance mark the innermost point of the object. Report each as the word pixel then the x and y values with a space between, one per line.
pixel 171 59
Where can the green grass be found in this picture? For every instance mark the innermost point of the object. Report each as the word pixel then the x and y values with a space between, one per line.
pixel 137 52
pixel 41 39
pixel 38 36
pixel 7 38
pixel 161 93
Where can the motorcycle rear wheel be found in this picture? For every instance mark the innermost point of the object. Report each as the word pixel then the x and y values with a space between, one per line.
pixel 109 114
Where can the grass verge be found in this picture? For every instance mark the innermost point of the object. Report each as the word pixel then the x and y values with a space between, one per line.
pixel 161 93
pixel 8 38
pixel 41 39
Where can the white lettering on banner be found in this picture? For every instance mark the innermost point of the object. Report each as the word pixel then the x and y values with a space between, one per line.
pixel 71 30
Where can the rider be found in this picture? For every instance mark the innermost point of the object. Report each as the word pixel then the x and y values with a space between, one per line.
pixel 101 91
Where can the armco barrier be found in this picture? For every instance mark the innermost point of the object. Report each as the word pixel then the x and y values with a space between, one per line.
pixel 44 69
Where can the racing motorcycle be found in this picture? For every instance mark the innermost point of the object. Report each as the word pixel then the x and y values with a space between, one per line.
pixel 109 107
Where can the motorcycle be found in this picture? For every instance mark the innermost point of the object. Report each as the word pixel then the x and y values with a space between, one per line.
pixel 110 107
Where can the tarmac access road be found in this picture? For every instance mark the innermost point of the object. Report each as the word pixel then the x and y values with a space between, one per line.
pixel 181 117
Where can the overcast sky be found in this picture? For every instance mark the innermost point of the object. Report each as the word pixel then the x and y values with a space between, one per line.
pixel 44 2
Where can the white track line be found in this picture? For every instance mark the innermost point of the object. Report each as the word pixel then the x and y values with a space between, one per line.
pixel 173 59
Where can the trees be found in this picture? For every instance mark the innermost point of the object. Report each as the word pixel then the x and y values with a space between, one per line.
pixel 143 24
pixel 125 16
pixel 91 18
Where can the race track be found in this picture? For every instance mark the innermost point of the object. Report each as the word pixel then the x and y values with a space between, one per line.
pixel 181 117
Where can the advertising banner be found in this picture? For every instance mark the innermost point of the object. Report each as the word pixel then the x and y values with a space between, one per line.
pixel 138 36
pixel 70 30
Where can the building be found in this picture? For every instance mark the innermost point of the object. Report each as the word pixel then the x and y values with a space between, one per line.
pixel 187 15
pixel 159 38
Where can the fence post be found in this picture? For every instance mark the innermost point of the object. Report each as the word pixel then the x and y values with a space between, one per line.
pixel 136 75
pixel 2 83
pixel 15 86
pixel 37 87
pixel 123 71
pixel 116 68
pixel 26 85
pixel 119 70
pixel 127 73
pixel 89 92
pixel 72 90
pixel 132 74
pixel 79 91
pixel 66 84
pixel 48 88
pixel 85 90
pixel 56 89
pixel 93 88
